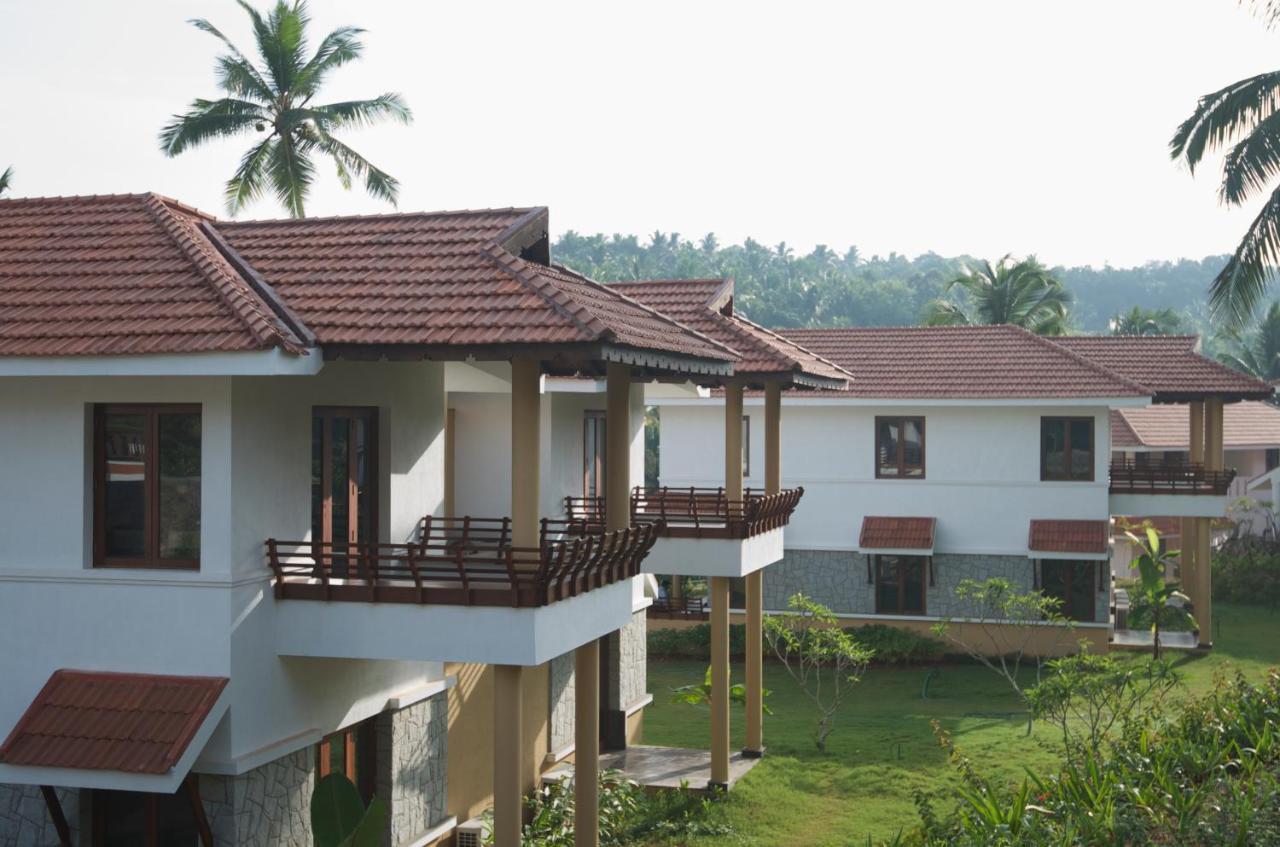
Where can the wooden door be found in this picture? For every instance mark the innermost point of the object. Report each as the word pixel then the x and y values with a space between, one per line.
pixel 344 480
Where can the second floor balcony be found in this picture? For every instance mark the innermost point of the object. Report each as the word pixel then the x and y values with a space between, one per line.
pixel 490 601
pixel 1186 489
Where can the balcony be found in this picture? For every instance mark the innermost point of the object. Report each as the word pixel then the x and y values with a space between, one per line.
pixel 491 601
pixel 1168 489
pixel 704 532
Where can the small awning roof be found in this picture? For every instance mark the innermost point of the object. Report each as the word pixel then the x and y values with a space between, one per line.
pixel 1074 539
pixel 139 725
pixel 910 536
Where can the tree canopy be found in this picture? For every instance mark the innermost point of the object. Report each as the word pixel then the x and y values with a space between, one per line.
pixel 6 179
pixel 275 98
pixel 1022 293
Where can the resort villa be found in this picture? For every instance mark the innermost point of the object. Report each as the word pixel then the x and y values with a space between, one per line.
pixel 366 496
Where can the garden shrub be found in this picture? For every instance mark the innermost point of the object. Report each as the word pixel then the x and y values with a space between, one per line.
pixel 892 646
pixel 1247 570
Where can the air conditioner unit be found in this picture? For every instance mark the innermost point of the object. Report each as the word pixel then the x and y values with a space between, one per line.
pixel 471 833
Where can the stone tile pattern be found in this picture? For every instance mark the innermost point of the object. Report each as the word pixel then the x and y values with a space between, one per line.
pixel 838 579
pixel 24 819
pixel 631 661
pixel 270 806
pixel 412 763
pixel 562 702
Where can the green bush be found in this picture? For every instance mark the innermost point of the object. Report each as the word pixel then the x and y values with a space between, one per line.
pixel 893 646
pixel 1247 571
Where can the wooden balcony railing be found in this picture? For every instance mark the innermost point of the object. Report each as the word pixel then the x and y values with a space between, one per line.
pixel 1129 477
pixel 695 512
pixel 461 561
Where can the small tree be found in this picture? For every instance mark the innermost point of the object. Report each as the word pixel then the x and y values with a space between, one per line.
pixel 822 658
pixel 1151 594
pixel 1006 621
pixel 698 693
pixel 339 817
pixel 1088 696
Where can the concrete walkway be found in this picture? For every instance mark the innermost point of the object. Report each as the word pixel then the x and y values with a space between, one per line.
pixel 662 767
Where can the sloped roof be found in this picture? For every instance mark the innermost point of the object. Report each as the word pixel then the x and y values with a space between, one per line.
pixel 122 274
pixel 136 723
pixel 445 279
pixel 890 533
pixel 707 306
pixel 1250 423
pixel 142 274
pixel 1069 536
pixel 962 362
pixel 1169 365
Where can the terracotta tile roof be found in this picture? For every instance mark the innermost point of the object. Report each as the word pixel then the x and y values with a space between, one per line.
pixel 121 274
pixel 137 723
pixel 886 533
pixel 1084 537
pixel 964 362
pixel 707 306
pixel 1168 365
pixel 444 279
pixel 1250 423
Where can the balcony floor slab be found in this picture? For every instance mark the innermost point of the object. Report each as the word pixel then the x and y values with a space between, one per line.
pixel 663 767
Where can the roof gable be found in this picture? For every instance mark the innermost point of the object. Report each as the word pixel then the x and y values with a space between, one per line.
pixel 1169 365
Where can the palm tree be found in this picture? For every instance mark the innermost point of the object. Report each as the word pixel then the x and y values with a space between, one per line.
pixel 1140 321
pixel 6 179
pixel 1256 351
pixel 1242 119
pixel 276 98
pixel 1022 293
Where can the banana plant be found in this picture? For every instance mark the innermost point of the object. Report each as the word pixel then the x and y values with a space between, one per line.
pixel 1153 593
pixel 339 817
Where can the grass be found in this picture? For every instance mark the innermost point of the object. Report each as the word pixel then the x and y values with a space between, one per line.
pixel 883 749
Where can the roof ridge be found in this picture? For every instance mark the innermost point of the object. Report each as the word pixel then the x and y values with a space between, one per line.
pixel 652 312
pixel 1078 359
pixel 234 292
pixel 382 216
pixel 575 313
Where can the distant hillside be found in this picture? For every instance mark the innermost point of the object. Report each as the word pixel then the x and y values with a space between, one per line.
pixel 823 288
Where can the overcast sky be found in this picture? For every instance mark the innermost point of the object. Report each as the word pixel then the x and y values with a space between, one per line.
pixel 978 127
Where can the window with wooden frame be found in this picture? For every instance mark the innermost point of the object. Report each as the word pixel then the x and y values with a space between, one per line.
pixel 1066 449
pixel 146 486
pixel 900 584
pixel 352 752
pixel 1073 583
pixel 150 820
pixel 594 444
pixel 899 447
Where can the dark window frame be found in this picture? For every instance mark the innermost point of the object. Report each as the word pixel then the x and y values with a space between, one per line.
pixel 1068 448
pixel 371 416
pixel 1094 569
pixel 597 419
pixel 151 520
pixel 363 759
pixel 902 584
pixel 901 465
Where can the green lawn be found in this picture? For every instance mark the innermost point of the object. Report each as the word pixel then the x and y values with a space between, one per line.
pixel 884 750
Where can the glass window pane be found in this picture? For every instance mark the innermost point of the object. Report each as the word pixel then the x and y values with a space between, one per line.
pixel 887 452
pixel 888 594
pixel 124 486
pixel 317 478
pixel 1053 445
pixel 364 484
pixel 913 447
pixel 1081 449
pixel 913 586
pixel 179 491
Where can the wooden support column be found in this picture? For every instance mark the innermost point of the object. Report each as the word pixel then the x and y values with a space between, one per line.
pixel 617 431
pixel 1190 527
pixel 586 741
pixel 526 403
pixel 719 587
pixel 1213 461
pixel 508 746
pixel 755 581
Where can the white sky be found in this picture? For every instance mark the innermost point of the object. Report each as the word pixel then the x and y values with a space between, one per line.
pixel 979 127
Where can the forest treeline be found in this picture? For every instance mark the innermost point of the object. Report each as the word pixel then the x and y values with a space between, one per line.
pixel 777 286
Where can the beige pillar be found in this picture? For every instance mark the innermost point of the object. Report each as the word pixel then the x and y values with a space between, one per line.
pixel 719 586
pixel 586 743
pixel 508 717
pixel 618 447
pixel 526 401
pixel 755 581
pixel 1213 461
pixel 1191 526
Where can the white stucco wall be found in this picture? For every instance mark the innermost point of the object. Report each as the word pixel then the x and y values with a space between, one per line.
pixel 56 611
pixel 982 470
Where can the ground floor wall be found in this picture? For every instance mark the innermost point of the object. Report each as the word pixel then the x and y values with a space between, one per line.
pixel 844 582
pixel 24 818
